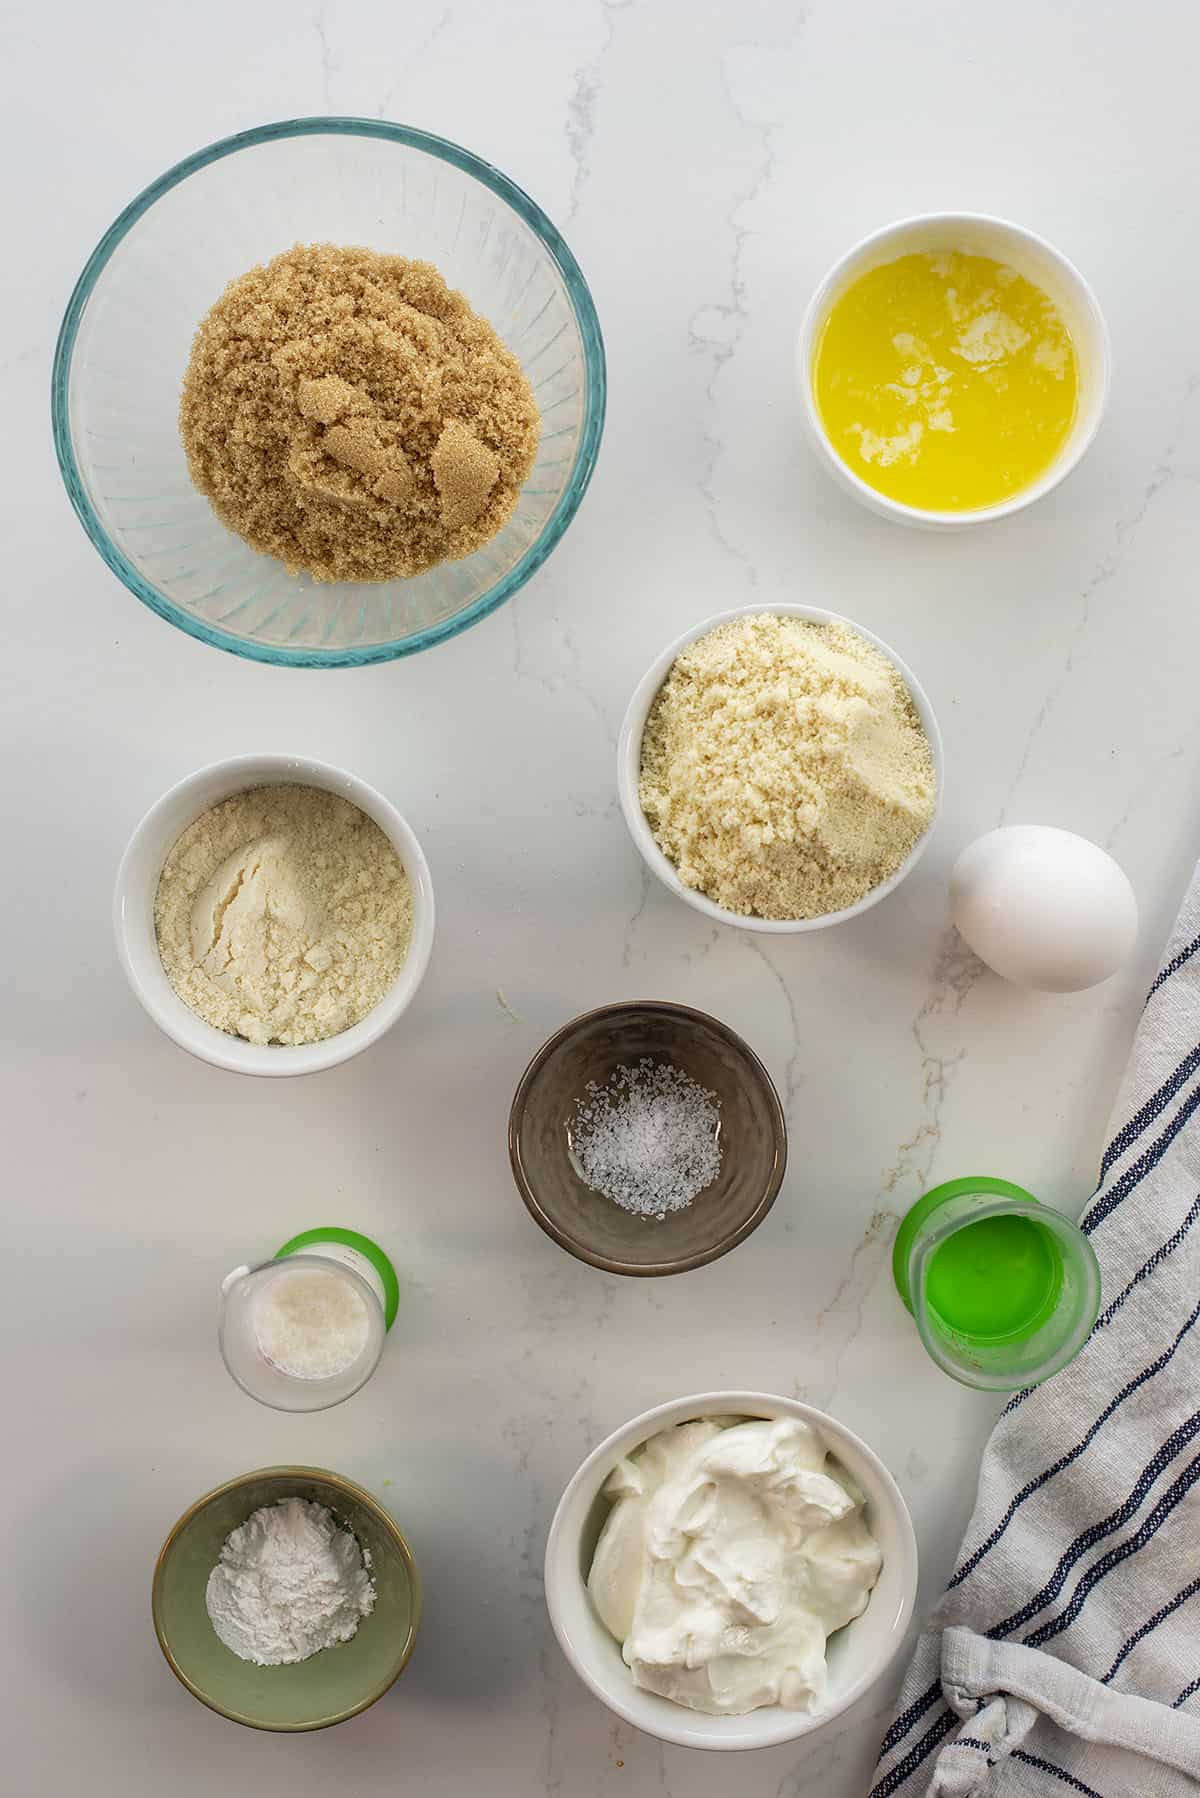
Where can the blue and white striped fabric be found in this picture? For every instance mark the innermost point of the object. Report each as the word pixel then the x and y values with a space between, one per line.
pixel 1065 1655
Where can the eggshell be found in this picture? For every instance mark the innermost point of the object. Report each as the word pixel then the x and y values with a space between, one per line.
pixel 1043 907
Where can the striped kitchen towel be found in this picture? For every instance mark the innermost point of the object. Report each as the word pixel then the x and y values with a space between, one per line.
pixel 1065 1655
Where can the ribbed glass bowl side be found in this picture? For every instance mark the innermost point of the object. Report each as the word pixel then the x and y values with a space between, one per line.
pixel 127 333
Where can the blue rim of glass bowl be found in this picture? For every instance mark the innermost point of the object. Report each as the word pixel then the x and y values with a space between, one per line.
pixel 585 459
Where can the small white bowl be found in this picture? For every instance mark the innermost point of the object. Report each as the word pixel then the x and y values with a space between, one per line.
pixel 858 1654
pixel 137 883
pixel 629 765
pixel 1031 256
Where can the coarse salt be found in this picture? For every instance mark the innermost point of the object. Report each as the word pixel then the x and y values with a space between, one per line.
pixel 648 1139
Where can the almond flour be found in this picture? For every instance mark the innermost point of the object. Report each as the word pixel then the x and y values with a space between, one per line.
pixel 283 915
pixel 785 771
pixel 348 413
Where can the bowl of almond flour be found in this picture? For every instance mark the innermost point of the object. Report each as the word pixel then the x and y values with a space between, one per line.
pixel 780 768
pixel 274 915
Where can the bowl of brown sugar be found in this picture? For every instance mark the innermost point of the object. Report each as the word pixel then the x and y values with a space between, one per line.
pixel 328 392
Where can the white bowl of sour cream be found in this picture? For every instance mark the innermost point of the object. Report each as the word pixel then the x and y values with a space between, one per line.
pixel 735 1491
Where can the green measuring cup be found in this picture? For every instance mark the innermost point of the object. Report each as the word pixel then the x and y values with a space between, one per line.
pixel 1004 1291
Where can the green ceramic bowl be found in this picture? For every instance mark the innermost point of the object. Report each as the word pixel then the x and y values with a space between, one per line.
pixel 331 1686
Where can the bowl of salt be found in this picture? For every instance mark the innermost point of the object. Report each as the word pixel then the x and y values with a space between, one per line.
pixel 647 1138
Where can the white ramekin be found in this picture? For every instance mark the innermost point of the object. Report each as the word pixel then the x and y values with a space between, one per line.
pixel 629 762
pixel 858 1655
pixel 137 883
pixel 1031 256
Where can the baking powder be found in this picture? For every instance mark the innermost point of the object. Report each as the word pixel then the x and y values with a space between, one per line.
pixel 290 1582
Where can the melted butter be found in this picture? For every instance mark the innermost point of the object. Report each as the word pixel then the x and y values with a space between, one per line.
pixel 946 381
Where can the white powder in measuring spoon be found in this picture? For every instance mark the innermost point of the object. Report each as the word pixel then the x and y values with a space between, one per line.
pixel 290 1581
pixel 648 1139
pixel 310 1323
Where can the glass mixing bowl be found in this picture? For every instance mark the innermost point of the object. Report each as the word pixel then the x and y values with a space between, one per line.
pixel 127 335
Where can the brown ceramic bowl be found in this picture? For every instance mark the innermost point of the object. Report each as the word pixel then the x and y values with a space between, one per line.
pixel 752 1132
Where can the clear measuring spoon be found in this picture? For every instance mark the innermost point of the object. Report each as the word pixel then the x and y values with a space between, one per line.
pixel 306 1329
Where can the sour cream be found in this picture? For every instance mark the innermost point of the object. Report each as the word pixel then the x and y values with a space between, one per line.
pixel 732 1551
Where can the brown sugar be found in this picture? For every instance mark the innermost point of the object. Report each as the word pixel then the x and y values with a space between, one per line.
pixel 348 413
pixel 465 472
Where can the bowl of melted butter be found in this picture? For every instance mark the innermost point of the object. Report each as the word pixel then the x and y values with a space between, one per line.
pixel 953 368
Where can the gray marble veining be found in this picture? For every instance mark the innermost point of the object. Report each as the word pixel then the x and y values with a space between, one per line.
pixel 707 165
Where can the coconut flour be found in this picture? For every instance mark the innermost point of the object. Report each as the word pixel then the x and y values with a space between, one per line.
pixel 310 1323
pixel 283 915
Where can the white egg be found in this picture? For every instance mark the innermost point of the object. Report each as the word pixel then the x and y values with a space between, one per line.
pixel 1043 907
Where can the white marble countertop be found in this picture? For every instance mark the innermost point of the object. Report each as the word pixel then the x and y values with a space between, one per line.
pixel 707 163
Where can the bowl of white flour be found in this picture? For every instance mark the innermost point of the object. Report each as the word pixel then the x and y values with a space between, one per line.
pixel 286 1599
pixel 274 914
